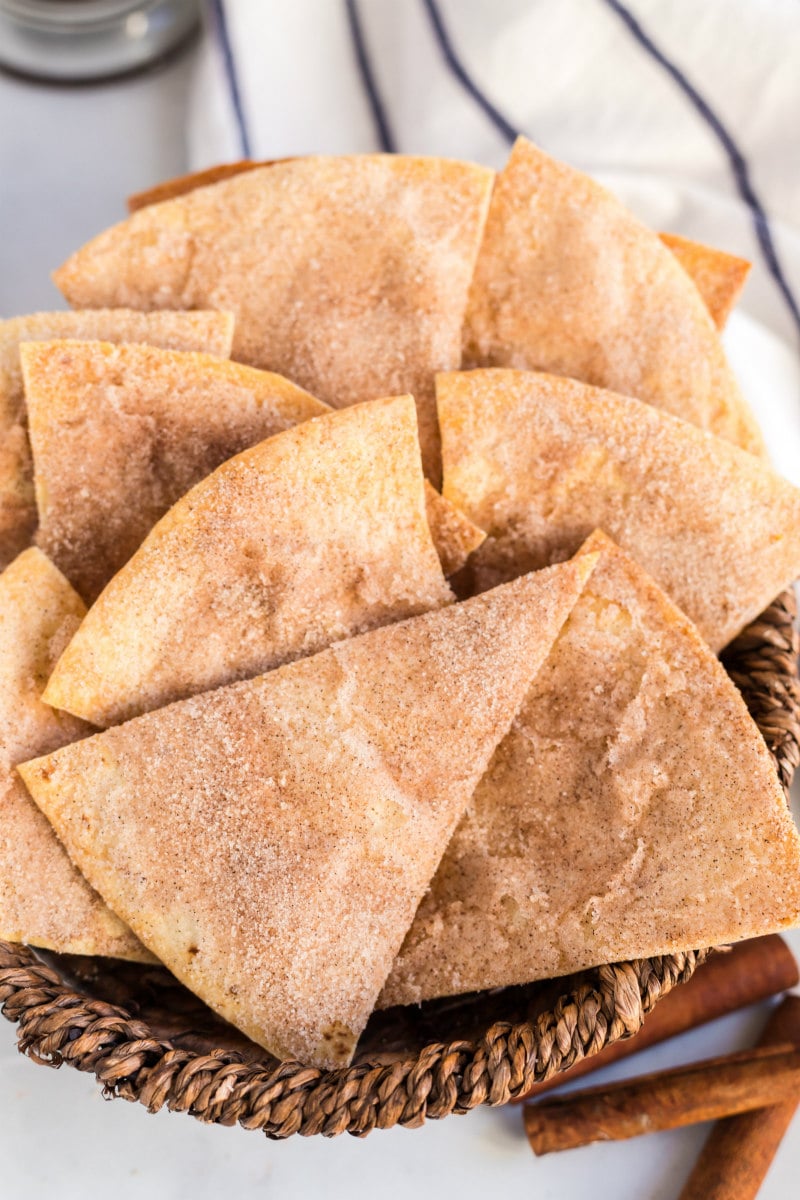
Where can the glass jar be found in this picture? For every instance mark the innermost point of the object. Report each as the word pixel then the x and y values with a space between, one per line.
pixel 72 41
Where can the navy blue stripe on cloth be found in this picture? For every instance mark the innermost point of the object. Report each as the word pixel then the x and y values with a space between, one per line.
pixel 219 29
pixel 379 116
pixel 509 132
pixel 736 159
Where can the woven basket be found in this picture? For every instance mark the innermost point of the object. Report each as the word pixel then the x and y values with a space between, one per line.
pixel 146 1038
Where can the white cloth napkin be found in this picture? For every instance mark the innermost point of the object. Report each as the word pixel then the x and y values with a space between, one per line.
pixel 689 111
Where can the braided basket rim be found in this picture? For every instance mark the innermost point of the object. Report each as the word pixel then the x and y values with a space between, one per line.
pixel 57 1024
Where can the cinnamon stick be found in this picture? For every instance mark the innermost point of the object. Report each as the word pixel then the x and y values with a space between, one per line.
pixel 739 1150
pixel 718 1087
pixel 752 971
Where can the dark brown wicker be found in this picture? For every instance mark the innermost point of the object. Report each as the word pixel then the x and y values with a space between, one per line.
pixel 146 1038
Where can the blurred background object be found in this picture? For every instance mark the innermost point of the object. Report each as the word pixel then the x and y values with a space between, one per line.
pixel 72 41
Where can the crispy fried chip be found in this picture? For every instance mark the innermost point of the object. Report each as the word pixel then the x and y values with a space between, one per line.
pixel 120 433
pixel 44 901
pixel 211 331
pixel 539 462
pixel 181 184
pixel 633 810
pixel 454 535
pixel 271 840
pixel 311 536
pixel 568 281
pixel 718 276
pixel 348 275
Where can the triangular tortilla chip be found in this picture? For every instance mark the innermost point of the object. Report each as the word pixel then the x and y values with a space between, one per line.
pixel 119 433
pixel 633 810
pixel 454 535
pixel 311 536
pixel 568 281
pixel 210 331
pixel 44 901
pixel 271 840
pixel 718 276
pixel 539 462
pixel 181 184
pixel 348 275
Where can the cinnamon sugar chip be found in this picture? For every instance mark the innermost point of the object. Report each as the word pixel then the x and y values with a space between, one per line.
pixel 44 901
pixel 539 462
pixel 568 281
pixel 179 185
pixel 119 433
pixel 454 535
pixel 313 535
pixel 633 810
pixel 348 275
pixel 271 840
pixel 719 277
pixel 210 331
pixel 168 189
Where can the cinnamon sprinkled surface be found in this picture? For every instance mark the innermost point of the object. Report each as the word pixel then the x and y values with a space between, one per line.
pixel 120 433
pixel 633 810
pixel 718 276
pixel 44 901
pixel 210 331
pixel 348 275
pixel 569 281
pixel 454 535
pixel 310 537
pixel 539 461
pixel 270 840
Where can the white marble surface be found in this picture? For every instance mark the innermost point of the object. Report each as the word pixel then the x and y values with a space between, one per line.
pixel 67 159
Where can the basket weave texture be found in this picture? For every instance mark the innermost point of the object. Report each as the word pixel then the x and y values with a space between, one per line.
pixel 145 1038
